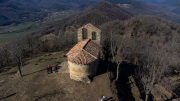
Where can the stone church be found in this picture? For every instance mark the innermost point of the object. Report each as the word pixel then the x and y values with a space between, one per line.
pixel 83 58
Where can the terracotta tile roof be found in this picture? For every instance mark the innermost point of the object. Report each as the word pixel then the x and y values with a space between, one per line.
pixel 93 48
pixel 77 47
pixel 84 52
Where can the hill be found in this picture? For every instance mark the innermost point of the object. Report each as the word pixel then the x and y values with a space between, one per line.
pixel 14 13
pixel 138 7
pixel 97 15
pixel 32 10
pixel 58 5
pixel 152 1
pixel 170 5
pixel 144 41
pixel 139 25
pixel 37 85
pixel 23 11
pixel 147 36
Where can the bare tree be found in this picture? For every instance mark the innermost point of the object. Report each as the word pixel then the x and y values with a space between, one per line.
pixel 121 48
pixel 18 47
pixel 154 63
pixel 32 45
pixel 114 46
pixel 4 55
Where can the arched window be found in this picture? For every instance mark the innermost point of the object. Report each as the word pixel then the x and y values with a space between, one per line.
pixel 84 33
pixel 93 35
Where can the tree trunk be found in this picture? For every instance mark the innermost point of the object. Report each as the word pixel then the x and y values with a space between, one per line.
pixel 7 61
pixel 147 96
pixel 117 76
pixel 19 69
pixel 21 63
pixel 112 51
pixel 1 65
pixel 59 34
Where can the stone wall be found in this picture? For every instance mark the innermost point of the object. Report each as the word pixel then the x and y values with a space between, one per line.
pixel 80 72
pixel 90 28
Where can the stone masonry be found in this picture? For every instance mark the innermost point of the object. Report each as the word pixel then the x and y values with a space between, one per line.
pixel 90 29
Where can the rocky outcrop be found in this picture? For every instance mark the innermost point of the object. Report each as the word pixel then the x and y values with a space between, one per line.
pixel 162 94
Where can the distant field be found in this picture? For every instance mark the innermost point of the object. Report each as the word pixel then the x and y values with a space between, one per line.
pixel 7 37
pixel 21 29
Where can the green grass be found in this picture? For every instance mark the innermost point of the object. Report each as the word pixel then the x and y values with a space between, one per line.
pixel 5 38
pixel 20 26
pixel 16 28
pixel 23 29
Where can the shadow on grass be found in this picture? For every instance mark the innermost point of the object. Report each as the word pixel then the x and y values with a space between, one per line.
pixel 5 69
pixel 124 83
pixel 110 99
pixel 8 96
pixel 11 73
pixel 177 91
pixel 102 68
pixel 34 72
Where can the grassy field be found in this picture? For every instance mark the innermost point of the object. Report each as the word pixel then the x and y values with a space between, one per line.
pixel 7 37
pixel 37 85
pixel 21 29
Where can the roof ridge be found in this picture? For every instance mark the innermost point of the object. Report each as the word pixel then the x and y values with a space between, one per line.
pixel 80 48
pixel 89 54
pixel 96 43
pixel 86 43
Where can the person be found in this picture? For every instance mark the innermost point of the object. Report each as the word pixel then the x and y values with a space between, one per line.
pixel 103 98
pixel 56 68
pixel 48 67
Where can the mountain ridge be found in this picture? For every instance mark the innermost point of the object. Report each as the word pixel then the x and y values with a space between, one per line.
pixel 97 15
pixel 139 7
pixel 20 11
pixel 171 5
